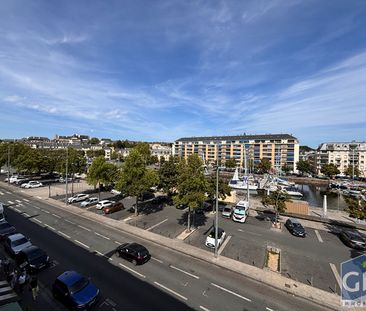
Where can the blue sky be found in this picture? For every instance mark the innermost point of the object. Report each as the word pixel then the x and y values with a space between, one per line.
pixel 161 70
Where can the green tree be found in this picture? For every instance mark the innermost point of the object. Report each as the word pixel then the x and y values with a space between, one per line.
pixel 230 163
pixel 304 167
pixel 94 141
pixel 192 185
pixel 329 170
pixel 15 150
pixel 144 150
pixel 224 189
pixel 356 208
pixel 286 169
pixel 168 176
pixel 154 159
pixel 135 178
pixel 264 166
pixel 278 200
pixel 349 171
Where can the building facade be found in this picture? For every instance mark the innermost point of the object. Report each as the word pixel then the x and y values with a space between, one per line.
pixel 280 149
pixel 161 151
pixel 343 155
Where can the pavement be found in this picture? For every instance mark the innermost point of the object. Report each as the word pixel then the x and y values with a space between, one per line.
pixel 267 277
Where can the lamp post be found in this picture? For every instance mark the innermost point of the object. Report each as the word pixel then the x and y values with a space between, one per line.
pixel 9 164
pixel 67 164
pixel 217 202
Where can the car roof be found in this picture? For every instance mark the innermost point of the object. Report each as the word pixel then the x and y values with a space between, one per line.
pixel 105 201
pixel 353 233
pixel 16 236
pixel 220 231
pixel 136 246
pixel 295 221
pixel 69 277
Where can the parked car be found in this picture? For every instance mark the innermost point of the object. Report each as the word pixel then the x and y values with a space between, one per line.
pixel 32 258
pixel 32 184
pixel 15 243
pixel 78 198
pixel 6 229
pixel 62 179
pixel 181 206
pixel 114 208
pixel 89 202
pixel 75 290
pixel 353 239
pixel 210 240
pixel 115 192
pixel 295 227
pixel 104 203
pixel 136 253
pixel 241 211
pixel 227 212
pixel 13 179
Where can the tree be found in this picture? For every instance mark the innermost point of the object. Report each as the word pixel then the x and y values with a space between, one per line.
pixel 135 178
pixel 278 200
pixel 168 176
pixel 264 166
pixel 329 170
pixel 144 150
pixel 224 189
pixel 303 167
pixel 94 141
pixel 286 168
pixel 154 159
pixel 230 163
pixel 349 171
pixel 356 208
pixel 192 185
pixel 306 149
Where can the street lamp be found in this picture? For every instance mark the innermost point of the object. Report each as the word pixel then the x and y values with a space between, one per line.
pixel 217 202
pixel 67 164
pixel 8 163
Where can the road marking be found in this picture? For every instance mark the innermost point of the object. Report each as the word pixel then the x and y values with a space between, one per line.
pixel 37 220
pixel 26 200
pixel 101 254
pixel 231 292
pixel 171 291
pixel 82 227
pixel 18 210
pixel 26 214
pixel 1 193
pixel 57 216
pixel 127 219
pixel 118 243
pixel 158 224
pixel 51 227
pixel 134 271
pixel 204 309
pixel 18 201
pixel 158 260
pixel 39 197
pixel 47 212
pixel 246 231
pixel 224 244
pixel 190 274
pixel 64 234
pixel 11 202
pixel 318 236
pixel 82 244
pixel 8 192
pixel 37 207
pixel 70 222
pixel 336 274
pixel 269 309
pixel 102 236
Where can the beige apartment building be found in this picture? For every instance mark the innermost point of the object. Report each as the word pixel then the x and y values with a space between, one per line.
pixel 279 149
pixel 343 155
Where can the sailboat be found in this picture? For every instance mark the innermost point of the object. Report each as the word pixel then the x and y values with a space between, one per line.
pixel 242 183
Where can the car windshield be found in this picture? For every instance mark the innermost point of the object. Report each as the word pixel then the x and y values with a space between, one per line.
pixel 227 209
pixel 19 242
pixel 35 254
pixel 219 234
pixel 355 236
pixel 297 225
pixel 79 285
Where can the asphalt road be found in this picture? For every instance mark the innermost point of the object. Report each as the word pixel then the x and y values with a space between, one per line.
pixel 169 280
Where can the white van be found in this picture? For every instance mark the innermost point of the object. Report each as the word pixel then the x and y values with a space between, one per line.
pixel 241 211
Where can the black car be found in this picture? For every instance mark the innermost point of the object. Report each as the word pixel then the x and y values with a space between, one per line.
pixel 32 258
pixel 295 227
pixel 353 239
pixel 6 229
pixel 133 252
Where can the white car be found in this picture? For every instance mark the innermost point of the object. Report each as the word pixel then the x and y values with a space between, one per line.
pixel 88 202
pixel 115 191
pixel 210 240
pixel 104 203
pixel 78 198
pixel 13 179
pixel 31 184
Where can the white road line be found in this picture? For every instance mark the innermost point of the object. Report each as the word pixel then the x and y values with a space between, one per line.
pixel 64 234
pixel 36 207
pixel 102 236
pixel 70 222
pixel 336 274
pixel 47 212
pixel 101 254
pixel 269 309
pixel 158 224
pixel 1 193
pixel 11 202
pixel 127 219
pixel 158 260
pixel 171 291
pixel 26 214
pixel 37 220
pixel 134 271
pixel 8 192
pixel 18 210
pixel 82 244
pixel 18 201
pixel 185 272
pixel 204 309
pixel 118 243
pixel 57 216
pixel 224 244
pixel 39 197
pixel 318 236
pixel 231 292
pixel 82 227
pixel 51 227
pixel 26 200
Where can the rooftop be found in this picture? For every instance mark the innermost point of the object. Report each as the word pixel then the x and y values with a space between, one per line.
pixel 239 137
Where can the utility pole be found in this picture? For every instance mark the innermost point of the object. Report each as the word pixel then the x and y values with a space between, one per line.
pixel 67 164
pixel 8 163
pixel 217 202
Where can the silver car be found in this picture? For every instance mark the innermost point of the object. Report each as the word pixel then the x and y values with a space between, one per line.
pixel 88 202
pixel 15 243
pixel 227 212
pixel 78 197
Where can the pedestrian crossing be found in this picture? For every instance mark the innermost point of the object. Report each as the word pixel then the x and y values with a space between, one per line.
pixel 7 294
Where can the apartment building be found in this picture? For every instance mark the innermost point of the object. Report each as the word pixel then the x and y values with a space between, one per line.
pixel 161 151
pixel 279 149
pixel 343 155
